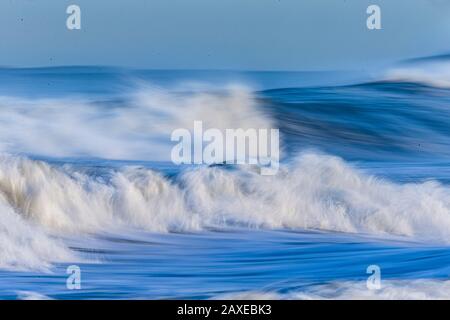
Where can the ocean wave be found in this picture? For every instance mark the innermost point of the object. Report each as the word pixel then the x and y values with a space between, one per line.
pixel 430 72
pixel 40 201
pixel 138 127
pixel 31 295
pixel 417 289
pixel 25 246
pixel 313 192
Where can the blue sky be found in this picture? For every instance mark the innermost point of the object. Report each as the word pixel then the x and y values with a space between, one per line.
pixel 221 34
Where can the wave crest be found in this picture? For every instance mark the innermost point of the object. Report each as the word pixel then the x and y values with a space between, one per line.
pixel 138 127
pixel 433 73
pixel 314 192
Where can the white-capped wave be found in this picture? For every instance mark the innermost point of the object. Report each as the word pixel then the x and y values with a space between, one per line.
pixel 65 200
pixel 320 192
pixel 417 289
pixel 434 73
pixel 25 246
pixel 314 192
pixel 138 128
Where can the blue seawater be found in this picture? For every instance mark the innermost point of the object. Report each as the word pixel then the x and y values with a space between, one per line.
pixel 86 180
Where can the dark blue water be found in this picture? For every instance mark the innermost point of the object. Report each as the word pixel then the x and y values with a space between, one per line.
pixel 364 181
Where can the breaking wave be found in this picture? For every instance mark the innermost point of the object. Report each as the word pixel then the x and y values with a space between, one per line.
pixel 313 192
pixel 25 246
pixel 40 201
pixel 434 72
pixel 135 127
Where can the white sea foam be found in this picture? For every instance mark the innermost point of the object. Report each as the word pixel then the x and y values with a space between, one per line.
pixel 137 129
pixel 321 192
pixel 431 73
pixel 314 192
pixel 31 295
pixel 25 246
pixel 419 289
pixel 64 200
